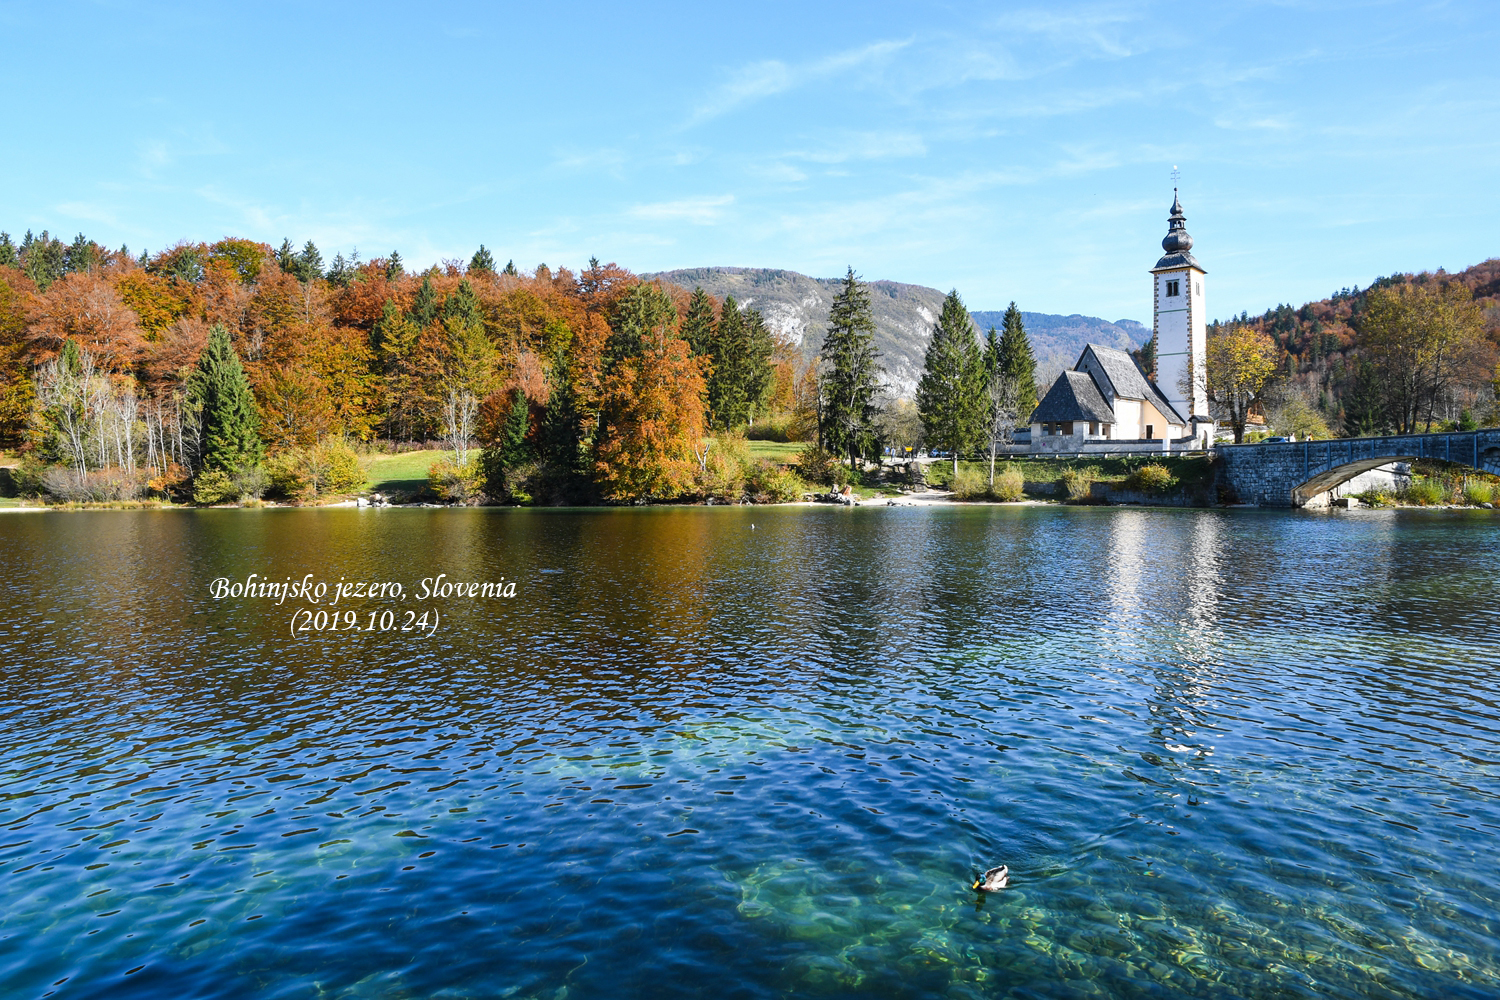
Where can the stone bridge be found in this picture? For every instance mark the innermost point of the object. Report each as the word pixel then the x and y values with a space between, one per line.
pixel 1291 474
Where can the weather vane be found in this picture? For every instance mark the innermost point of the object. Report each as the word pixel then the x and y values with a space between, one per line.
pixel 1175 175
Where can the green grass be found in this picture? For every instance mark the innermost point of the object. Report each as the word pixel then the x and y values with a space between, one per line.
pixel 777 451
pixel 403 473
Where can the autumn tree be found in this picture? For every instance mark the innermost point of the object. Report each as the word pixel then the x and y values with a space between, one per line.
pixel 229 418
pixel 1238 365
pixel 87 309
pixel 1419 338
pixel 651 417
pixel 950 392
pixel 849 376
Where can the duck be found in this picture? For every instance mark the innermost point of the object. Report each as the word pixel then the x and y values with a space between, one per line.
pixel 993 880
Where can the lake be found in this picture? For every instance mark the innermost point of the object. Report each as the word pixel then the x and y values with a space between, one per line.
pixel 751 752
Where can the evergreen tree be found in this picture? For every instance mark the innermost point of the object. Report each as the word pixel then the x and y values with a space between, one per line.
pixel 43 259
pixel 341 272
pixel 645 313
pixel 483 262
pixel 7 251
pixel 1145 358
pixel 698 326
pixel 309 263
pixel 849 376
pixel 286 256
pixel 424 305
pixel 393 269
pixel 728 354
pixel 510 269
pixel 950 392
pixel 512 446
pixel 82 256
pixel 1018 362
pixel 759 347
pixel 229 418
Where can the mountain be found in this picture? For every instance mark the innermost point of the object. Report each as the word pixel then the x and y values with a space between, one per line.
pixel 796 306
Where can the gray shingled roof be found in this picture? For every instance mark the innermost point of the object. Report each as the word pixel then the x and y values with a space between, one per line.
pixel 1074 396
pixel 1127 380
pixel 1180 259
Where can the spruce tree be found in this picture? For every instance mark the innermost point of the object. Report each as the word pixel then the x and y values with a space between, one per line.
pixel 850 375
pixel 698 326
pixel 393 267
pixel 510 269
pixel 7 251
pixel 424 305
pixel 1018 362
pixel 729 354
pixel 759 347
pixel 229 418
pixel 950 393
pixel 483 262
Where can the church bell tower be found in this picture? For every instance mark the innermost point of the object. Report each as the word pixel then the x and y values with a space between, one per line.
pixel 1179 322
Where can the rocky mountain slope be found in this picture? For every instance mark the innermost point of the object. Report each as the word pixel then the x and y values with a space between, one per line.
pixel 796 306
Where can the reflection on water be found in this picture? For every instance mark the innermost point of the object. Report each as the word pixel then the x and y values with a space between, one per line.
pixel 1224 756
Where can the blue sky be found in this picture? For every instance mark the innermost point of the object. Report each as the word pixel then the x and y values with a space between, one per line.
pixel 1011 151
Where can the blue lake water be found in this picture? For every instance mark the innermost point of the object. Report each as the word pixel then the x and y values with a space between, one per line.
pixel 753 753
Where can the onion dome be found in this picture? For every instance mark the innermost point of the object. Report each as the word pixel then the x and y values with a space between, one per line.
pixel 1177 242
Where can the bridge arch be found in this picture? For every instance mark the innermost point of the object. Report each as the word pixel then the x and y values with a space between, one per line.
pixel 1293 473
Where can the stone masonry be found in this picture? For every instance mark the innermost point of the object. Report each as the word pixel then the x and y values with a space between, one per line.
pixel 1293 473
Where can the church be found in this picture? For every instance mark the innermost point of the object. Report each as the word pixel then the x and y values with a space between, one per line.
pixel 1104 403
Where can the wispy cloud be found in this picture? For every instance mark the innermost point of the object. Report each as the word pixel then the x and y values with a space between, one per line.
pixel 702 211
pixel 864 146
pixel 757 81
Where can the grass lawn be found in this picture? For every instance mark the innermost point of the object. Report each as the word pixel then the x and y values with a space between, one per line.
pixel 403 473
pixel 777 451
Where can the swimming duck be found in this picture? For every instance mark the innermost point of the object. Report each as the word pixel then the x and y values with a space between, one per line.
pixel 993 880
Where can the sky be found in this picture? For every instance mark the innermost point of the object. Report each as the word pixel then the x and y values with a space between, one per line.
pixel 1015 152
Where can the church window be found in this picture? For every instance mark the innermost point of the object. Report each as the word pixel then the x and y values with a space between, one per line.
pixel 1174 289
pixel 1197 288
pixel 1150 432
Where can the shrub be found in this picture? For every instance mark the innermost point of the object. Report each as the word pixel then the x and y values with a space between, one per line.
pixel 328 468
pixel 461 484
pixel 1152 478
pixel 1424 492
pixel 213 486
pixel 969 484
pixel 1010 485
pixel 1478 492
pixel 779 427
pixel 98 486
pixel 1077 484
pixel 174 483
pixel 770 483
pixel 817 465
pixel 722 476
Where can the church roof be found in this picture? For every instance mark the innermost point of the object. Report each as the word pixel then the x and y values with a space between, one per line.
pixel 1126 380
pixel 1074 396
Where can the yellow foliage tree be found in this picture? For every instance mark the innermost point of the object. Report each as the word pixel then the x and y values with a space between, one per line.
pixel 1238 363
pixel 1420 337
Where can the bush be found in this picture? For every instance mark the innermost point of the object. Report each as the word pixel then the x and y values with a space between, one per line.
pixel 1478 492
pixel 774 428
pixel 213 486
pixel 721 477
pixel 1010 485
pixel 1077 484
pixel 818 466
pixel 969 484
pixel 1425 492
pixel 461 484
pixel 175 483
pixel 328 468
pixel 1153 478
pixel 98 486
pixel 770 483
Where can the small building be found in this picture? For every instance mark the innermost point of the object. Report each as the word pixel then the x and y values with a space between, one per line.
pixel 1104 397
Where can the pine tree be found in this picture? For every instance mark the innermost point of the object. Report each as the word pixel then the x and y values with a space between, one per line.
pixel 7 251
pixel 424 305
pixel 483 262
pixel 286 256
pixel 1018 362
pixel 698 326
pixel 510 269
pixel 728 355
pixel 309 263
pixel 759 347
pixel 850 375
pixel 230 420
pixel 949 394
pixel 393 268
